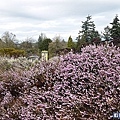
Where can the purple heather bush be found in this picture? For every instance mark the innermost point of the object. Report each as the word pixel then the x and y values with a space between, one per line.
pixel 84 86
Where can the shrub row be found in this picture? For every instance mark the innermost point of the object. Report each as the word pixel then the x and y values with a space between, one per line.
pixel 11 52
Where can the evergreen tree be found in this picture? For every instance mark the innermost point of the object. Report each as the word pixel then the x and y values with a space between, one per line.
pixel 70 43
pixel 88 29
pixel 88 34
pixel 40 39
pixel 115 30
pixel 80 42
pixel 45 44
pixel 106 34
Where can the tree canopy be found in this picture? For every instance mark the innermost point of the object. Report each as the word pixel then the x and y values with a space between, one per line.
pixel 56 45
pixel 43 42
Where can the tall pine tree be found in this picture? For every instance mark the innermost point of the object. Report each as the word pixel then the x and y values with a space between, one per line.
pixel 70 43
pixel 115 30
pixel 88 29
pixel 88 34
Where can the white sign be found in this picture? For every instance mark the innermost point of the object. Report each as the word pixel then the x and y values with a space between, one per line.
pixel 44 55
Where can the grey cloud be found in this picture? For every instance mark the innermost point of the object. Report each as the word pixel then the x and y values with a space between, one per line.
pixel 29 17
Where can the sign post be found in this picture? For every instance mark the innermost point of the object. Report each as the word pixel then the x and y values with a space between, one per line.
pixel 44 55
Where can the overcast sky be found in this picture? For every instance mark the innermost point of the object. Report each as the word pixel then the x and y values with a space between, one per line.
pixel 30 18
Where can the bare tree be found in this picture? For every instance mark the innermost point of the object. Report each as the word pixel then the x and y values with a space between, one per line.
pixel 9 39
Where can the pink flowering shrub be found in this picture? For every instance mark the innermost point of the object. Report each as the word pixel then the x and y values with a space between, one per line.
pixel 83 86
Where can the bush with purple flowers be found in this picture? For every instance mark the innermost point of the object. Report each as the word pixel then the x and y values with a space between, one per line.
pixel 83 86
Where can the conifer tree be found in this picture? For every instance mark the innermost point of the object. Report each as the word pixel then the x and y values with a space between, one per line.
pixel 115 30
pixel 106 34
pixel 88 34
pixel 70 43
pixel 43 42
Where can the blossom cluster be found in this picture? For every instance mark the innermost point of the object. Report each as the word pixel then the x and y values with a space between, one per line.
pixel 16 63
pixel 80 86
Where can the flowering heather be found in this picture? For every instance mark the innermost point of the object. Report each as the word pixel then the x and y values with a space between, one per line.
pixel 83 86
pixel 18 63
